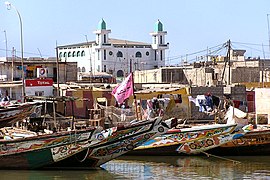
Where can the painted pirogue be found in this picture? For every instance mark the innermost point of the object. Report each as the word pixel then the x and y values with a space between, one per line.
pixel 171 142
pixel 256 142
pixel 97 146
pixel 17 112
pixel 117 141
pixel 33 151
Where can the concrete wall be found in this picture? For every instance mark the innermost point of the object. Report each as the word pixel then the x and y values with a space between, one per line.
pixel 245 74
pixel 209 73
pixel 262 104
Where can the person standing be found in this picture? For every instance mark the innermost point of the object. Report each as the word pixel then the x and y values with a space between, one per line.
pixel 139 111
pixel 227 102
pixel 123 113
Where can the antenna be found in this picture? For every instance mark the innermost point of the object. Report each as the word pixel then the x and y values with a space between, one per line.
pixel 39 52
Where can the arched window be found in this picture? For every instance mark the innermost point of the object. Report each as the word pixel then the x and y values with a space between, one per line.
pixel 138 54
pixel 65 54
pixel 120 73
pixel 78 53
pixel 60 54
pixel 119 54
pixel 83 69
pixel 83 53
pixel 74 54
pixel 79 69
pixel 69 54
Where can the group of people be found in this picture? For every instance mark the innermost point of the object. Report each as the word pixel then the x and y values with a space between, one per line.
pixel 145 109
pixel 208 102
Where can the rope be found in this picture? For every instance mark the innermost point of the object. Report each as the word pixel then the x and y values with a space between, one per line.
pixel 75 137
pixel 70 137
pixel 86 155
pixel 234 161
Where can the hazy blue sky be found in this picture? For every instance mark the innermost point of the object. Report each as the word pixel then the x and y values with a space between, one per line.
pixel 192 25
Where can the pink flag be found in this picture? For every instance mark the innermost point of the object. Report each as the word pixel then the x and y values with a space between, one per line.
pixel 124 90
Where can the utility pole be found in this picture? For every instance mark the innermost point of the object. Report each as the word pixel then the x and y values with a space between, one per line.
pixel 229 59
pixel 268 31
pixel 9 5
pixel 12 64
pixel 263 69
pixel 228 56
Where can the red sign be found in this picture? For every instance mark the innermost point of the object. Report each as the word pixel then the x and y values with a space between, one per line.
pixel 38 82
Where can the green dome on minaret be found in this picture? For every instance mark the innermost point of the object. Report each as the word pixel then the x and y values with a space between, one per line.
pixel 158 26
pixel 101 24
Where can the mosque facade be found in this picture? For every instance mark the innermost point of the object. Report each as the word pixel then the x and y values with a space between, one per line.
pixel 116 56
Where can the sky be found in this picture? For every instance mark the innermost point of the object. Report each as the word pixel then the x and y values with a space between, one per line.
pixel 192 25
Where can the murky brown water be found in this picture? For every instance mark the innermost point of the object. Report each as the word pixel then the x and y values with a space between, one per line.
pixel 160 167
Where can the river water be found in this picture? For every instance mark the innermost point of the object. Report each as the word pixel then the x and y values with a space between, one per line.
pixel 159 167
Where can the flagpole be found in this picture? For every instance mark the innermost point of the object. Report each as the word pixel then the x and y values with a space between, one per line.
pixel 126 90
pixel 134 96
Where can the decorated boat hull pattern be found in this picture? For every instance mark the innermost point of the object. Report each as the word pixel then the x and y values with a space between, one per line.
pixel 202 145
pixel 117 141
pixel 253 143
pixel 39 151
pixel 168 143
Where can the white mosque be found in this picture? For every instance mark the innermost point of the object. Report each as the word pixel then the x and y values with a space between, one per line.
pixel 116 56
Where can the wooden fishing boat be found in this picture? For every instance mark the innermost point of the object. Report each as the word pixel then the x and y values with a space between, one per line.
pixel 12 113
pixel 21 150
pixel 202 145
pixel 168 143
pixel 256 142
pixel 117 141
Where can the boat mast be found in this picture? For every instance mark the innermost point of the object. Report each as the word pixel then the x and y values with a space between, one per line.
pixel 134 96
pixel 57 64
pixel 229 59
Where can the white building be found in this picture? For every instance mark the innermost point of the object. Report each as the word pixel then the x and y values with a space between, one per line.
pixel 116 56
